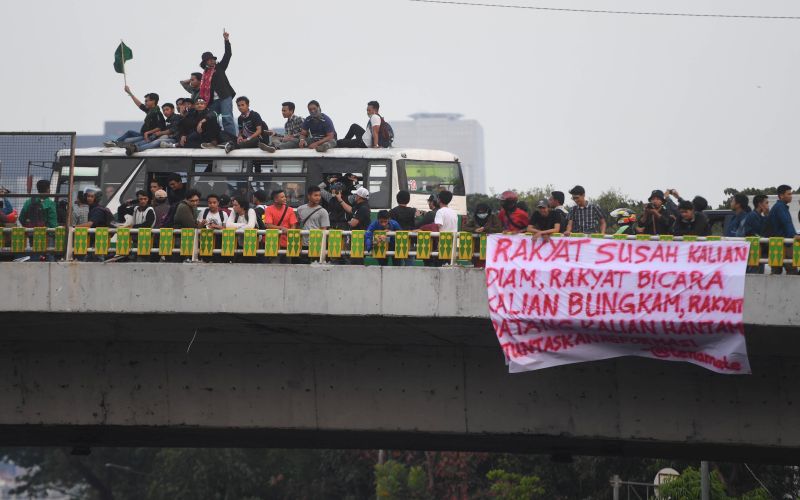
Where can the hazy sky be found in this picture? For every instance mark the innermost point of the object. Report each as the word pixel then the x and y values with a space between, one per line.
pixel 632 102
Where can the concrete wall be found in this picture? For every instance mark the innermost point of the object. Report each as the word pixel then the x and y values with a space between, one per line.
pixel 357 357
pixel 282 289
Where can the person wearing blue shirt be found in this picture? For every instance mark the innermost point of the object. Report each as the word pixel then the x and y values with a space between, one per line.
pixel 741 208
pixel 318 131
pixel 382 223
pixel 780 222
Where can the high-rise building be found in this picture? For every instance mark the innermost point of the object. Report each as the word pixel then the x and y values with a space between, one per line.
pixel 447 132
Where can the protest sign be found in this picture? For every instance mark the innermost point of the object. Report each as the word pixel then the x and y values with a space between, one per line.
pixel 565 300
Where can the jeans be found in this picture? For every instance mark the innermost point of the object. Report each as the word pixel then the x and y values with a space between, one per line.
pixel 224 108
pixel 285 143
pixel 354 138
pixel 249 143
pixel 155 143
pixel 130 137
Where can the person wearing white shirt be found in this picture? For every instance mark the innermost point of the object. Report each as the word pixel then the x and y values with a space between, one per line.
pixel 212 217
pixel 358 137
pixel 243 217
pixel 446 219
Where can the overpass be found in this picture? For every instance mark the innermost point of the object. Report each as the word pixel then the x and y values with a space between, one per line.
pixel 128 354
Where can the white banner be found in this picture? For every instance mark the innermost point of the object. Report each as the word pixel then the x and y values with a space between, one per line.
pixel 566 300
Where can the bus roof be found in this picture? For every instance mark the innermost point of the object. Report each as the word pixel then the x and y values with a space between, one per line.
pixel 366 153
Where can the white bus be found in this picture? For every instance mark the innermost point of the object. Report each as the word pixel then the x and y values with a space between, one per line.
pixel 382 171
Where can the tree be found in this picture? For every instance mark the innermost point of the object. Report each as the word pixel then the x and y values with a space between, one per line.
pixel 513 486
pixel 395 481
pixel 687 485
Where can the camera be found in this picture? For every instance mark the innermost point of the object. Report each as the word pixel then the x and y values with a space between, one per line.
pixel 337 187
pixel 649 206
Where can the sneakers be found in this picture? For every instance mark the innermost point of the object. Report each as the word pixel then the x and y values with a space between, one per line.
pixel 208 145
pixel 167 145
pixel 228 147
pixel 130 149
pixel 110 144
pixel 266 147
pixel 323 147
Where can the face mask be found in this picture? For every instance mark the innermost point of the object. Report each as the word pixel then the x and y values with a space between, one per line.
pixel 481 216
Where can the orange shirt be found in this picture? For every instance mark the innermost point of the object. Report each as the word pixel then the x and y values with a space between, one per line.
pixel 273 214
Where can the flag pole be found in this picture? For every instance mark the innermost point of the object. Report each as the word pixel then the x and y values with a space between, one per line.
pixel 122 56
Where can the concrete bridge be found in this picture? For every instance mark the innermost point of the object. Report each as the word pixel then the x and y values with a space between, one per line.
pixel 345 356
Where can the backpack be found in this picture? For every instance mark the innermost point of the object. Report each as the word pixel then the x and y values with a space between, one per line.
pixel 34 216
pixel 222 215
pixel 259 210
pixel 385 134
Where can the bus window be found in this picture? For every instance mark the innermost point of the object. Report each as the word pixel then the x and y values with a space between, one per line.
pixel 139 182
pixel 291 166
pixel 228 166
pixel 295 188
pixel 113 173
pixel 379 186
pixel 426 177
pixel 220 185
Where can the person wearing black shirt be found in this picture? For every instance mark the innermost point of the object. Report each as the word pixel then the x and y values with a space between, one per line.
pixel 215 87
pixel 252 129
pixel 402 213
pixel 656 218
pixel 691 221
pixel 199 127
pixel 359 212
pixel 544 221
pixel 153 121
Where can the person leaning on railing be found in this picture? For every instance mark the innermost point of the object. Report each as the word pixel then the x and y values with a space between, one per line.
pixel 656 218
pixel 690 221
pixel 780 223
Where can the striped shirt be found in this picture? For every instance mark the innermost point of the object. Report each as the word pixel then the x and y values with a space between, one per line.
pixel 586 219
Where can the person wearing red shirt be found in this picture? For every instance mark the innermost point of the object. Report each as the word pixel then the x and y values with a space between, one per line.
pixel 512 218
pixel 280 215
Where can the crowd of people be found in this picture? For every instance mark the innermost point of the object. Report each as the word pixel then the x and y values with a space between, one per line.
pixel 204 119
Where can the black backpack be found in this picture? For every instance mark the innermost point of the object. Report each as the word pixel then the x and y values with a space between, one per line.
pixel 35 216
pixel 385 134
pixel 259 218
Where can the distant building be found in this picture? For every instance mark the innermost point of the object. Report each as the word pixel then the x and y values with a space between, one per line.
pixel 448 132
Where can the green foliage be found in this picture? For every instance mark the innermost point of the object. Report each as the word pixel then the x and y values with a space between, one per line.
pixel 751 191
pixel 395 481
pixel 514 486
pixel 687 485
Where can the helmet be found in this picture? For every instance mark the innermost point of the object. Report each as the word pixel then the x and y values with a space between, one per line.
pixel 624 216
pixel 509 195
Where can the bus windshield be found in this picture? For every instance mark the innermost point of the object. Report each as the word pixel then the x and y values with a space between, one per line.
pixel 425 177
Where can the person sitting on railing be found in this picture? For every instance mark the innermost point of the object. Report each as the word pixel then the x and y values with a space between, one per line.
pixel 383 222
pixel 656 218
pixel 544 221
pixel 690 221
pixel 744 221
pixel 185 211
pixel 584 217
pixel 780 223
pixel 512 218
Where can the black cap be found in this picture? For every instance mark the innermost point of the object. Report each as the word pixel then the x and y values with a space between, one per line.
pixel 657 193
pixel 205 57
pixel 577 190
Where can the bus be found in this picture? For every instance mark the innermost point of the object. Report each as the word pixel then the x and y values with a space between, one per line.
pixel 383 172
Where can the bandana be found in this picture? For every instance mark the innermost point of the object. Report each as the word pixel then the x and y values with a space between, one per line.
pixel 205 84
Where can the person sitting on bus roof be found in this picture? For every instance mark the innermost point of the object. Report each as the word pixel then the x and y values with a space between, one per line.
pixel 162 138
pixel 359 137
pixel 199 127
pixel 180 106
pixel 252 129
pixel 318 131
pixel 153 121
pixel 192 85
pixel 291 136
pixel 383 222
pixel 215 87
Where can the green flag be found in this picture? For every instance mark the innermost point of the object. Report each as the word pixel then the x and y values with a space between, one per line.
pixel 122 54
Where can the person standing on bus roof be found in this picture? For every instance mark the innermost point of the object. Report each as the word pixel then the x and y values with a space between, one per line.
pixel 153 121
pixel 252 129
pixel 192 85
pixel 215 87
pixel 291 137
pixel 318 131
pixel 359 137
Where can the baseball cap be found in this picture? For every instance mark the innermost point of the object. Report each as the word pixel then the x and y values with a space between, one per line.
pixel 161 193
pixel 542 204
pixel 362 192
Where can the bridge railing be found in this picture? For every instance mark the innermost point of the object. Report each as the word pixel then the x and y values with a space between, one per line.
pixel 316 244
